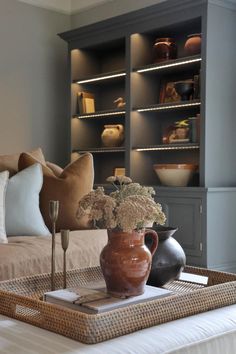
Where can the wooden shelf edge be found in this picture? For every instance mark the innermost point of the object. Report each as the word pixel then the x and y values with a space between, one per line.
pixel 100 150
pixel 101 114
pixel 167 106
pixel 167 147
pixel 169 64
pixel 101 77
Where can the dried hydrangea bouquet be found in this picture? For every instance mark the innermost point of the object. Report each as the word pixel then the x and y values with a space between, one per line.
pixel 125 260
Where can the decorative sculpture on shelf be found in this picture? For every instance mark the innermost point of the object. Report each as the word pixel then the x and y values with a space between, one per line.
pixel 120 102
pixel 53 214
pixel 64 243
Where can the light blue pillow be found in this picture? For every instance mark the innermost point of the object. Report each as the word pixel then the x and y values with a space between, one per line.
pixel 3 187
pixel 23 216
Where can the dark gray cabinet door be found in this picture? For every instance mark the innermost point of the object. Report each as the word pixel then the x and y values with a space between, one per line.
pixel 185 213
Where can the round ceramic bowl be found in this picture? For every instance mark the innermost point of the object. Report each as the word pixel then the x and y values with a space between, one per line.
pixel 174 175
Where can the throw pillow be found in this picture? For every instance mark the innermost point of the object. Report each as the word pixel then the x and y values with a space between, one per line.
pixel 75 181
pixel 57 170
pixel 23 217
pixel 10 162
pixel 3 186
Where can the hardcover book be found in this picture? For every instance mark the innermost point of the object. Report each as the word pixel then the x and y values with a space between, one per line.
pixel 94 298
pixel 86 102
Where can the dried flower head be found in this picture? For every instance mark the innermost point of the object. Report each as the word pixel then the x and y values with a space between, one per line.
pixel 130 207
pixel 119 180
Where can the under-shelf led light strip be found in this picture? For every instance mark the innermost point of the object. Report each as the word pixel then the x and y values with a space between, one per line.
pixel 168 148
pixel 101 150
pixel 160 67
pixel 106 77
pixel 101 114
pixel 159 108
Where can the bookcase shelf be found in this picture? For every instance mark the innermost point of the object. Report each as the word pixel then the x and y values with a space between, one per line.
pixel 124 45
pixel 168 147
pixel 111 61
pixel 101 150
pixel 101 114
pixel 190 62
pixel 112 76
pixel 169 106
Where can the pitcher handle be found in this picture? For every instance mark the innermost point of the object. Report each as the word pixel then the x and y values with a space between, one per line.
pixel 154 238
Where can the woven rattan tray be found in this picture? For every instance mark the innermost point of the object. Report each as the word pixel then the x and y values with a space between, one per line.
pixel 20 299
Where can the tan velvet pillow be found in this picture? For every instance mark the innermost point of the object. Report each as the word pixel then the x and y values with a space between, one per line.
pixel 10 162
pixel 75 181
pixel 57 170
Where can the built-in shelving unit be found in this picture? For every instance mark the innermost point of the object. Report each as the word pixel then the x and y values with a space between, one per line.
pixel 115 58
pixel 125 67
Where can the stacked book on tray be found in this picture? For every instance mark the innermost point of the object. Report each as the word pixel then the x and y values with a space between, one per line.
pixel 93 298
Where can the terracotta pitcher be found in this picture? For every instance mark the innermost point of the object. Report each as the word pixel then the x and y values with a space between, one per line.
pixel 164 49
pixel 126 262
pixel 112 135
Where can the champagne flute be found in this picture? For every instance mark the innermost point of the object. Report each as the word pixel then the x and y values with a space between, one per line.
pixel 53 214
pixel 64 243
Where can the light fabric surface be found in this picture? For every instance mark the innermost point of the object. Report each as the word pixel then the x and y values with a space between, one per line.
pixel 212 332
pixel 23 216
pixel 25 255
pixel 10 162
pixel 3 185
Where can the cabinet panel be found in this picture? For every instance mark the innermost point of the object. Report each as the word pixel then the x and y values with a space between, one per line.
pixel 185 213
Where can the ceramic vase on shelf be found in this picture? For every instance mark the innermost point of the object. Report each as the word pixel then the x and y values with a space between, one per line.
pixel 193 44
pixel 164 49
pixel 169 259
pixel 112 135
pixel 126 262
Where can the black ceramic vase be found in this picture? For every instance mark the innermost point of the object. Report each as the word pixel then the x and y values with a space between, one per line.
pixel 169 259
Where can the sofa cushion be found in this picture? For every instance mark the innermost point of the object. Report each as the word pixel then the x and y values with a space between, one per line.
pixel 3 186
pixel 75 181
pixel 57 170
pixel 10 162
pixel 25 255
pixel 23 216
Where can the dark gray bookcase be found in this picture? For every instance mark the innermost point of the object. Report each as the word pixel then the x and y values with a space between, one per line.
pixel 114 58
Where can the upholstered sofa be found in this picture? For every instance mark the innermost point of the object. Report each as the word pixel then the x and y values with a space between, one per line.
pixel 28 255
pixel 23 253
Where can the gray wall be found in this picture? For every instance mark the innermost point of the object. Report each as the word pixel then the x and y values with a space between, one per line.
pixel 33 80
pixel 33 64
pixel 110 9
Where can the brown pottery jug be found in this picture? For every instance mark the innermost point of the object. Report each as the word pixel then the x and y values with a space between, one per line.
pixel 126 262
pixel 164 49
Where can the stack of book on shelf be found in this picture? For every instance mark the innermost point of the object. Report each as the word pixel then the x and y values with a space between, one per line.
pixel 94 299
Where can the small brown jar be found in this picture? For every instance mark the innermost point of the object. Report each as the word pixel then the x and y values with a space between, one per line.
pixel 164 49
pixel 193 44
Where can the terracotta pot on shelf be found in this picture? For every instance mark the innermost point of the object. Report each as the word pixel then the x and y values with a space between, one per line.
pixel 112 135
pixel 126 262
pixel 193 44
pixel 164 49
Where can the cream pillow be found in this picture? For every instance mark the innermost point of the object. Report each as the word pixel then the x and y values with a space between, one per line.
pixel 3 186
pixel 23 216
